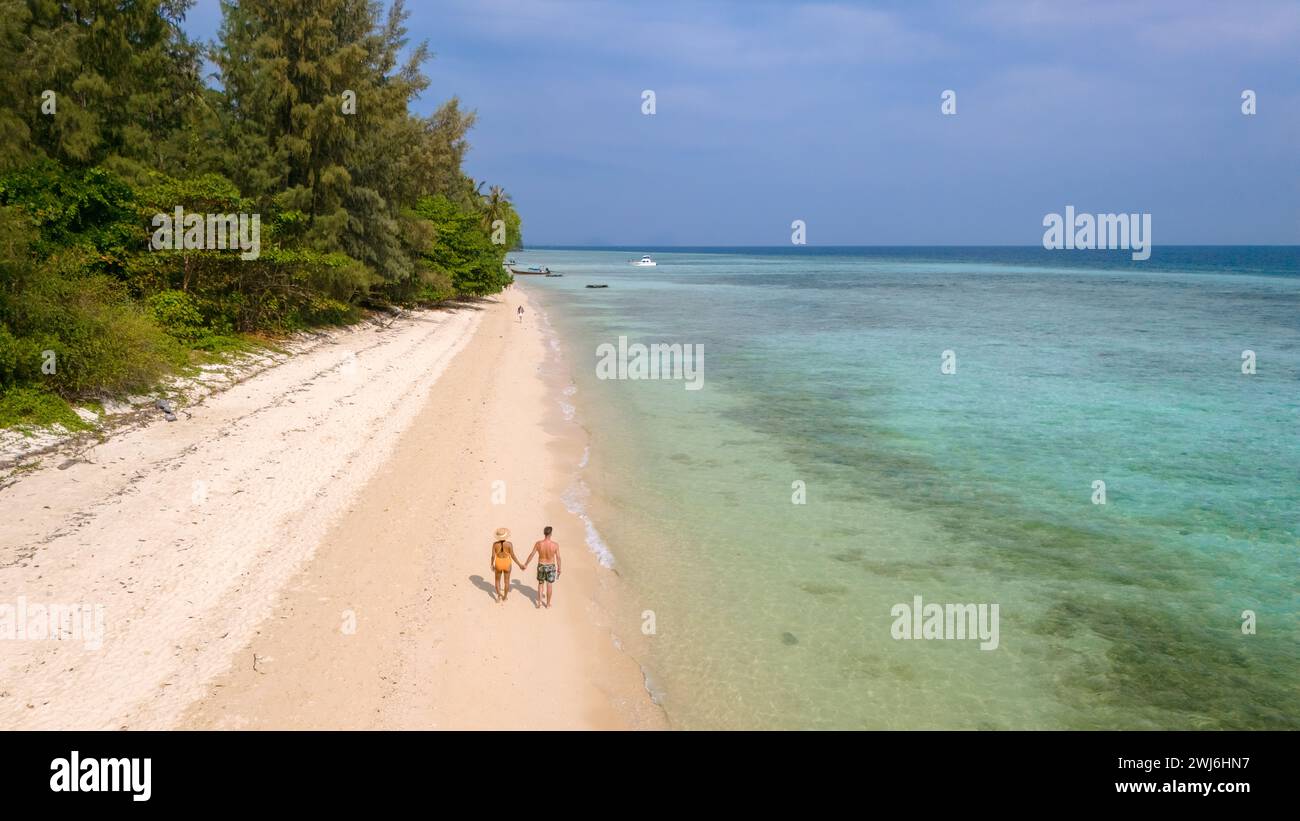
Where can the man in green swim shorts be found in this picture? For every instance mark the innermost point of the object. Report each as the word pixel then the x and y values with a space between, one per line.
pixel 548 565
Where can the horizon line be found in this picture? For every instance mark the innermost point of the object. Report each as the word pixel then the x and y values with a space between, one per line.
pixel 626 246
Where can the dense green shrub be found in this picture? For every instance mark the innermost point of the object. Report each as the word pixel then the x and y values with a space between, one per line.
pixel 89 208
pixel 15 358
pixel 176 312
pixel 102 342
pixel 23 407
pixel 462 249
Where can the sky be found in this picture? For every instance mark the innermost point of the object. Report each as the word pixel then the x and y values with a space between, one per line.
pixel 830 113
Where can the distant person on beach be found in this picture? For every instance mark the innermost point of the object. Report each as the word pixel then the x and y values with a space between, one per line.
pixel 548 565
pixel 521 313
pixel 503 553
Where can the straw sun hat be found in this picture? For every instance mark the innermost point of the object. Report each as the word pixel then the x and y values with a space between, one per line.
pixel 503 533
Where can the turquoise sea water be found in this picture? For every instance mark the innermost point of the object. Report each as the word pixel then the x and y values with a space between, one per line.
pixel 822 366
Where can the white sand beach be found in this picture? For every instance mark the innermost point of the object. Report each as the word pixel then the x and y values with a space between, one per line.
pixel 309 549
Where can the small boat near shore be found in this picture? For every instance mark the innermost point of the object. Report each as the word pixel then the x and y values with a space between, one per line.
pixel 598 286
pixel 535 271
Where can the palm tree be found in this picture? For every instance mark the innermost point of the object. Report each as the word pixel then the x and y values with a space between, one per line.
pixel 495 203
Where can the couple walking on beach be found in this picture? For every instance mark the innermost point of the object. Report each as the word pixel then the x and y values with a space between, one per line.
pixel 548 564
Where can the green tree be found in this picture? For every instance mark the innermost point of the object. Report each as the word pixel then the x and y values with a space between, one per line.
pixel 462 249
pixel 316 111
pixel 121 74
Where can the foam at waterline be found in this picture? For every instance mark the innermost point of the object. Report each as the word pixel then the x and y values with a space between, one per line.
pixel 652 686
pixel 575 497
pixel 648 682
pixel 567 409
pixel 574 501
pixel 550 332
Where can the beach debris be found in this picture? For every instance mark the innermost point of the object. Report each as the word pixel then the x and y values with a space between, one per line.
pixel 789 639
pixel 168 409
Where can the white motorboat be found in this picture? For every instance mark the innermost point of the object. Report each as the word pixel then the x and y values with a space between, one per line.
pixel 645 262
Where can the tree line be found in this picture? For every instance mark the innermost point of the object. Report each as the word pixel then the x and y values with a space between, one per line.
pixel 299 112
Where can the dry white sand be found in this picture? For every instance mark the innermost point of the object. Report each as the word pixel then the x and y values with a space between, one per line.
pixel 310 549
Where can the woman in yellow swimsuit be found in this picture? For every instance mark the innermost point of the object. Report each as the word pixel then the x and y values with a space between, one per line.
pixel 503 553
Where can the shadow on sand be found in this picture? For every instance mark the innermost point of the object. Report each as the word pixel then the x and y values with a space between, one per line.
pixel 515 587
pixel 529 593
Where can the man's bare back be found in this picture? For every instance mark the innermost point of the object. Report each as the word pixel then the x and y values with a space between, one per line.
pixel 546 550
